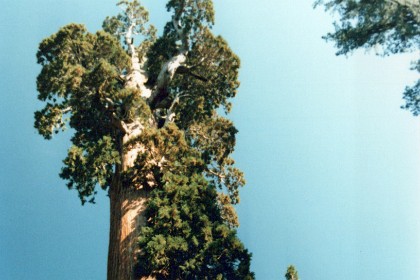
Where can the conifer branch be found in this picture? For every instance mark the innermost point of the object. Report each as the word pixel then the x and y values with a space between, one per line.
pixel 220 175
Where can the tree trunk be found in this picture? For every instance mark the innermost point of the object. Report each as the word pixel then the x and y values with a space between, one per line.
pixel 127 208
pixel 127 215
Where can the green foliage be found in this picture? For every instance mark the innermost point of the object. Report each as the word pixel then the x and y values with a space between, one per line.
pixel 166 150
pixel 291 273
pixel 91 165
pixel 188 234
pixel 208 83
pixel 213 60
pixel 136 15
pixel 366 24
pixel 192 14
pixel 210 79
pixel 80 71
pixel 393 25
pixel 412 94
pixel 186 237
pixel 215 139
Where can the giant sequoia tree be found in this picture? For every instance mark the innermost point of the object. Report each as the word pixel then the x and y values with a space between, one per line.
pixel 388 26
pixel 144 112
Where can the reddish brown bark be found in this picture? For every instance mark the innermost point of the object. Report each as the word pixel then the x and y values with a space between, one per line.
pixel 127 216
pixel 126 219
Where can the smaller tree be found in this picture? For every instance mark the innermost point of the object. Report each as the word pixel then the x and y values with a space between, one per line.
pixel 387 26
pixel 291 273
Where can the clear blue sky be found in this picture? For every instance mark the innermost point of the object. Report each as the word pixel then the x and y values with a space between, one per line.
pixel 332 163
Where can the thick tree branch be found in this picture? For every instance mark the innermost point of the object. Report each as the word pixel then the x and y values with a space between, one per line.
pixel 66 110
pixel 119 124
pixel 137 77
pixel 170 116
pixel 221 176
pixel 188 71
pixel 170 67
